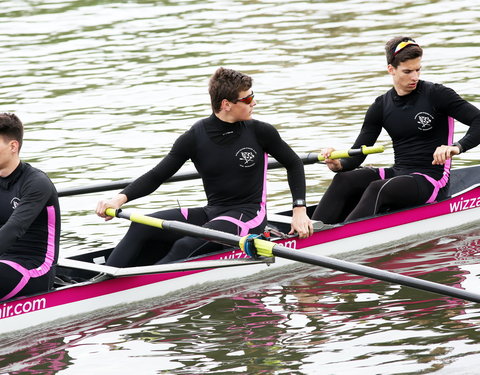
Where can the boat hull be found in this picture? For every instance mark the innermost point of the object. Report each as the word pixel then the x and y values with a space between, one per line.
pixel 461 210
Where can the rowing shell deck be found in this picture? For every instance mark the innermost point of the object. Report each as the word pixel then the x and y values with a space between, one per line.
pixel 89 285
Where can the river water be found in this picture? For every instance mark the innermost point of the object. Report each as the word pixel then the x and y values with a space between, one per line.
pixel 105 87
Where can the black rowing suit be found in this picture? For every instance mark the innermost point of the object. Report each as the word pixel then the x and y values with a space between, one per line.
pixel 231 159
pixel 29 231
pixel 417 123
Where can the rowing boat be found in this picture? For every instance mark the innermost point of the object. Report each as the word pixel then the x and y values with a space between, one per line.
pixel 85 284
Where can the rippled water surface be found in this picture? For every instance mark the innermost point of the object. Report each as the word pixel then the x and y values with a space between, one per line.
pixel 105 87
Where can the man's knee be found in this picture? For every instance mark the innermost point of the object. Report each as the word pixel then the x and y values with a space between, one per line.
pixel 352 182
pixel 184 247
pixel 341 178
pixel 375 187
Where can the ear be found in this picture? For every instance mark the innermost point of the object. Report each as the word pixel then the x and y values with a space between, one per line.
pixel 226 105
pixel 390 69
pixel 14 146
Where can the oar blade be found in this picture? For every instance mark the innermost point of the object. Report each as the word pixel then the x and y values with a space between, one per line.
pixel 374 273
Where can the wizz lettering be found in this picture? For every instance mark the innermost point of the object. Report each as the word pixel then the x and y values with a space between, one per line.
pixel 290 244
pixel 465 204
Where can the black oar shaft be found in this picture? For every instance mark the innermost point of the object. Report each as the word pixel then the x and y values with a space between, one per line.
pixel 374 273
pixel 310 158
pixel 116 185
pixel 201 232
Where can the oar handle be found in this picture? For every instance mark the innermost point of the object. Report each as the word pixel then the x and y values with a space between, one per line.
pixel 138 218
pixel 112 212
pixel 364 150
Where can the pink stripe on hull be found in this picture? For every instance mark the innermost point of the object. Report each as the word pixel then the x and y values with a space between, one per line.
pixel 45 266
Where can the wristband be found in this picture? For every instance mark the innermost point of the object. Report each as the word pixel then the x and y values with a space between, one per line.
pixel 458 145
pixel 299 203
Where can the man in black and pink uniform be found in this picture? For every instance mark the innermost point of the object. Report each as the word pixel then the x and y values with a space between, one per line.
pixel 419 118
pixel 230 151
pixel 29 219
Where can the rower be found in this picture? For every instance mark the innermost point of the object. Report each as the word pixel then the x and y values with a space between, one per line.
pixel 230 151
pixel 419 117
pixel 29 218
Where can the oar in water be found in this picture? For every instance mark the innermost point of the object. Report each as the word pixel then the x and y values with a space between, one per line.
pixel 254 246
pixel 310 158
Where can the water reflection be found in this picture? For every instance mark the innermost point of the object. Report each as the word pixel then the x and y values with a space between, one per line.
pixel 301 318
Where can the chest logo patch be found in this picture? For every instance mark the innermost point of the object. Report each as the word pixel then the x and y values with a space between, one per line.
pixel 15 202
pixel 246 157
pixel 424 119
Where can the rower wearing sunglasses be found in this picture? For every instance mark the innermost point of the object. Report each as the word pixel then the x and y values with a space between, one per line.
pixel 419 117
pixel 230 151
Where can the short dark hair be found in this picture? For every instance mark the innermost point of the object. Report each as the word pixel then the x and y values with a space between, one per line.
pixel 411 51
pixel 11 127
pixel 226 84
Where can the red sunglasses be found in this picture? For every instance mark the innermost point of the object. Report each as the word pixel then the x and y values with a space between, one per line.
pixel 247 99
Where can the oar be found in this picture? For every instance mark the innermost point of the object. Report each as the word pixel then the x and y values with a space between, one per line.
pixel 269 249
pixel 309 158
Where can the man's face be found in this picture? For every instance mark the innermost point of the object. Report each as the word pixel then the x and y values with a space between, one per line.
pixel 406 75
pixel 241 110
pixel 7 151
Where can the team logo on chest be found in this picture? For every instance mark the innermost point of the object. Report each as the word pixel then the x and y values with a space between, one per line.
pixel 247 157
pixel 15 202
pixel 424 119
